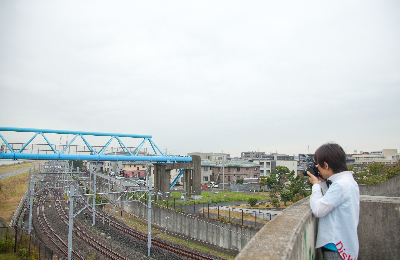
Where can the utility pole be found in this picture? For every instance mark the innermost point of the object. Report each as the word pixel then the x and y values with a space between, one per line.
pixel 149 218
pixel 71 219
pixel 223 173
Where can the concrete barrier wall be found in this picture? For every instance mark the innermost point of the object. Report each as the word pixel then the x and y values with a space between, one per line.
pixel 210 231
pixel 292 234
pixel 379 228
pixel 389 188
pixel 224 235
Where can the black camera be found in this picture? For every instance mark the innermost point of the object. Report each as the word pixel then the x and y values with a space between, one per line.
pixel 312 167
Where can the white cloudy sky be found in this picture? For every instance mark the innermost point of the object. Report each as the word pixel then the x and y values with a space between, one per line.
pixel 206 76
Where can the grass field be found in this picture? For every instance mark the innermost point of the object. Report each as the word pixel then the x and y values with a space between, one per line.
pixel 13 188
pixel 16 166
pixel 216 197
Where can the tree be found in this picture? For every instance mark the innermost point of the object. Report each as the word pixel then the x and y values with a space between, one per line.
pixel 275 190
pixel 298 186
pixel 286 195
pixel 252 201
pixel 372 174
pixel 76 163
pixel 263 181
pixel 282 173
pixel 239 181
pixel 394 171
pixel 272 180
pixel 275 202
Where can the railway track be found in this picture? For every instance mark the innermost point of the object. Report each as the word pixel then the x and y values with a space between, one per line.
pixel 86 238
pixel 46 228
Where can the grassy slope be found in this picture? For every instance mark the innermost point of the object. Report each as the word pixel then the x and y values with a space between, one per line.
pixel 13 188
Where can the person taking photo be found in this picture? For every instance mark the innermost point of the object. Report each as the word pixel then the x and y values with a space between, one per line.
pixel 338 204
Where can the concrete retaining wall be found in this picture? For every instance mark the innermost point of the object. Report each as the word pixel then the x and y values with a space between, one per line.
pixel 389 188
pixel 292 234
pixel 228 236
pixel 379 228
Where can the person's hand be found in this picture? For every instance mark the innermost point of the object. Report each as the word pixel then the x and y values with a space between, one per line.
pixel 313 180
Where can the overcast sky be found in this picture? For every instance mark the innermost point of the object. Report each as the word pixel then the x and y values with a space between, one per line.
pixel 206 76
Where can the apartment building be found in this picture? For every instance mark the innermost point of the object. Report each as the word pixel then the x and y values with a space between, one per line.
pixel 268 163
pixel 215 157
pixel 386 156
pixel 94 166
pixel 135 169
pixel 206 170
pixel 252 155
pixel 234 170
pixel 112 166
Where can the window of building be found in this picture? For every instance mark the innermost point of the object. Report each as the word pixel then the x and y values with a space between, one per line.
pixel 229 178
pixel 137 168
pixel 219 177
pixel 255 176
pixel 238 169
pixel 255 169
pixel 229 169
pixel 247 169
pixel 205 178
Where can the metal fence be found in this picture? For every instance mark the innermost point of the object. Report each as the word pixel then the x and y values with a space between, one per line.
pixel 14 240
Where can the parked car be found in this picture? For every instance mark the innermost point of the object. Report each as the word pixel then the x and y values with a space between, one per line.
pixel 141 182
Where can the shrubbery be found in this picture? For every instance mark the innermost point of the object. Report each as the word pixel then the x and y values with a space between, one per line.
pixel 252 201
pixel 375 173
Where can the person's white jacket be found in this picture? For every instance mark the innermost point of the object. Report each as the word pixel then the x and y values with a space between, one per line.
pixel 338 211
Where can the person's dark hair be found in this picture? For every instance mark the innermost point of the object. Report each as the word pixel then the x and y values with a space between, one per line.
pixel 333 154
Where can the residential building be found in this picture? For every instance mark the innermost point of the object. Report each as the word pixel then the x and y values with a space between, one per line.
pixel 386 156
pixel 134 169
pixel 215 157
pixel 252 155
pixel 94 166
pixel 206 170
pixel 268 163
pixel 112 166
pixel 234 170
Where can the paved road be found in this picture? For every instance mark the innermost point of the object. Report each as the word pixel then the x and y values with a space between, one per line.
pixel 9 174
pixel 195 209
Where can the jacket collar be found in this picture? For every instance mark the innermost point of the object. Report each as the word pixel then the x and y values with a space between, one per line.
pixel 339 175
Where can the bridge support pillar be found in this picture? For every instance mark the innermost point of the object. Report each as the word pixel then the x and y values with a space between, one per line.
pixel 162 175
pixel 191 177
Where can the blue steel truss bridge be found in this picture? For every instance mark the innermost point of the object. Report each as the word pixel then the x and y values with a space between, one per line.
pixel 9 152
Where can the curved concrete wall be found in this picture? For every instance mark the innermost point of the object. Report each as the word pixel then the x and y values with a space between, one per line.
pixel 389 188
pixel 290 235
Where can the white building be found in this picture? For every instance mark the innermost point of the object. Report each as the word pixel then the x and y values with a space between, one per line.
pixel 215 157
pixel 269 162
pixel 386 156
